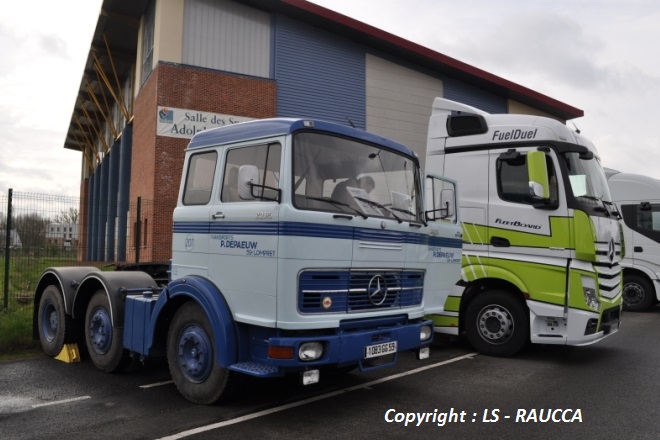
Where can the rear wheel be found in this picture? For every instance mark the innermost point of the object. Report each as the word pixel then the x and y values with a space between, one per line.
pixel 105 343
pixel 192 357
pixel 497 324
pixel 52 321
pixel 638 293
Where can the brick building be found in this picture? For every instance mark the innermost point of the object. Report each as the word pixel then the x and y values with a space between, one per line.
pixel 160 70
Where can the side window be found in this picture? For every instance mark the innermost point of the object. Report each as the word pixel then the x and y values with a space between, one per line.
pixel 644 218
pixel 513 180
pixel 199 178
pixel 648 216
pixel 265 157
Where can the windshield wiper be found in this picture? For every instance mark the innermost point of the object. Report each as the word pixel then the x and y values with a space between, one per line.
pixel 405 211
pixel 598 208
pixel 337 203
pixel 378 205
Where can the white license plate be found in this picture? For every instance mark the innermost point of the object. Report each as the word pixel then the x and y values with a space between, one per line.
pixel 383 349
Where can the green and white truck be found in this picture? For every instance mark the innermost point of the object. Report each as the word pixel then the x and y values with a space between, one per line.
pixel 542 240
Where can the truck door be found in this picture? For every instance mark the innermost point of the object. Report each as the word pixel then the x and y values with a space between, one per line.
pixel 644 218
pixel 191 226
pixel 244 230
pixel 526 237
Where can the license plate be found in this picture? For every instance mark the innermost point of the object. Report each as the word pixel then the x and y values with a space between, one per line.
pixel 383 349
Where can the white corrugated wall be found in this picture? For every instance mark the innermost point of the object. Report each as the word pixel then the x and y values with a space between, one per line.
pixel 399 102
pixel 228 36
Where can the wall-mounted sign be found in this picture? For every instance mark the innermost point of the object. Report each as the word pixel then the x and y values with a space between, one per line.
pixel 183 123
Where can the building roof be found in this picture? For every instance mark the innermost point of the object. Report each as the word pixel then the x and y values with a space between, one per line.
pixel 114 48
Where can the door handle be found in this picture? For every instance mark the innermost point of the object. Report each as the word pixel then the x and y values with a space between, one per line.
pixel 499 242
pixel 638 249
pixel 217 215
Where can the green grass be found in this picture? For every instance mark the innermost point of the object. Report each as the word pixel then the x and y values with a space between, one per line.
pixel 25 268
pixel 16 334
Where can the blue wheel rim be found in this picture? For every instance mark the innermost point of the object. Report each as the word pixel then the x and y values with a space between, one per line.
pixel 195 354
pixel 49 322
pixel 100 331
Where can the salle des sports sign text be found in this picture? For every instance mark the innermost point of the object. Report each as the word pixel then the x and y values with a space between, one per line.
pixel 183 123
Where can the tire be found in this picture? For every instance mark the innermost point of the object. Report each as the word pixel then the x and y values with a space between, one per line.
pixel 497 324
pixel 52 321
pixel 192 359
pixel 638 293
pixel 104 342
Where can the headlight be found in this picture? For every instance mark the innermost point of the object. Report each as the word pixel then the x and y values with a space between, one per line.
pixel 310 351
pixel 425 332
pixel 591 298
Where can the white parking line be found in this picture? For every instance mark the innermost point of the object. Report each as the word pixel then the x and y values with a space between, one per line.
pixel 157 384
pixel 59 402
pixel 311 399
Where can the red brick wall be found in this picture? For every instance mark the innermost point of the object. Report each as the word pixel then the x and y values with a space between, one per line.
pixel 157 161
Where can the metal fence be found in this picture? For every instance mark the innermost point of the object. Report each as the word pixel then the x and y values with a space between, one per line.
pixel 38 231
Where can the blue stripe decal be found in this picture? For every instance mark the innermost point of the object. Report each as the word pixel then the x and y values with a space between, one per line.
pixel 297 229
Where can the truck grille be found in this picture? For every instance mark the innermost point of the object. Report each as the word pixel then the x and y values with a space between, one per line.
pixel 608 269
pixel 348 291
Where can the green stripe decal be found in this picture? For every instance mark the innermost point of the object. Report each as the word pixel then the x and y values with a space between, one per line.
pixel 453 304
pixel 444 321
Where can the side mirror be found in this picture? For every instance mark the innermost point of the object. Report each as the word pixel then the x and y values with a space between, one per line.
pixel 539 185
pixel 248 175
pixel 440 199
pixel 448 201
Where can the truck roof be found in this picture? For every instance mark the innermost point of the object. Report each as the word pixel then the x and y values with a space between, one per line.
pixel 629 186
pixel 264 128
pixel 496 129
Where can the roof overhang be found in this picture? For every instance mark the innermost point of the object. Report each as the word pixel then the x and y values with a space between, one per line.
pixel 112 56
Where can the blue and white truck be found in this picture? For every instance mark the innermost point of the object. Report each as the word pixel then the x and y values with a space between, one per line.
pixel 299 246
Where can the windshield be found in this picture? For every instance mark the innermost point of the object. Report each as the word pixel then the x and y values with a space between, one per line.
pixel 587 178
pixel 343 175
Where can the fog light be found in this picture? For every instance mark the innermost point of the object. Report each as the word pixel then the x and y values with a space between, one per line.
pixel 310 377
pixel 591 298
pixel 310 351
pixel 423 353
pixel 425 332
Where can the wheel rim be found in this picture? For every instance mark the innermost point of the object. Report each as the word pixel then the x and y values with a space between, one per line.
pixel 195 354
pixel 100 331
pixel 633 294
pixel 49 322
pixel 495 324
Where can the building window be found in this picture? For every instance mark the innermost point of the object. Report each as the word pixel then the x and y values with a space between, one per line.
pixel 148 41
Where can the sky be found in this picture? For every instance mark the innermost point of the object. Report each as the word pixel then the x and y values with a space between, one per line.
pixel 600 56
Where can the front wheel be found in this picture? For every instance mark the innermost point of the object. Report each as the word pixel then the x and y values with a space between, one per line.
pixel 638 293
pixel 191 355
pixel 497 324
pixel 52 321
pixel 104 342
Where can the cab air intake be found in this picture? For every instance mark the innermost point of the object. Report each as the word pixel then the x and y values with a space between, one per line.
pixel 465 125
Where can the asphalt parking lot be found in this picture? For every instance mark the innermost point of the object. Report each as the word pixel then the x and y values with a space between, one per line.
pixel 605 390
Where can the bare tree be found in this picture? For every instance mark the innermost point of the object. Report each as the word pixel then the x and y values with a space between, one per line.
pixel 32 229
pixel 69 217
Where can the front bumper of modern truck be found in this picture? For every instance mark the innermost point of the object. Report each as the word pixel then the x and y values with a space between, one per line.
pixel 552 324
